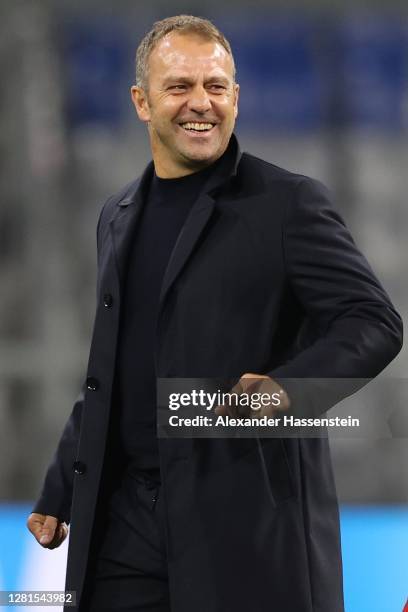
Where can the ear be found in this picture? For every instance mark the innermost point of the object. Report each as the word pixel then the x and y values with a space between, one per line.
pixel 141 104
pixel 236 94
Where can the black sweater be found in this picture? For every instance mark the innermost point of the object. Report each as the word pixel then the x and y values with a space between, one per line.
pixel 164 213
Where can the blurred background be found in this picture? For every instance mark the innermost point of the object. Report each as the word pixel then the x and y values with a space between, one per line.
pixel 324 92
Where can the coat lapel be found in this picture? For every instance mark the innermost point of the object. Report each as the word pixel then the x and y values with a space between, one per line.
pixel 128 214
pixel 199 216
pixel 125 219
pixel 189 234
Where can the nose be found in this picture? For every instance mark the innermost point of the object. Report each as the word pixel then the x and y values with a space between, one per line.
pixel 199 100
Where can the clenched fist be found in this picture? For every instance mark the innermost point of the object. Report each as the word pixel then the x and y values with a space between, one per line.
pixel 250 384
pixel 49 531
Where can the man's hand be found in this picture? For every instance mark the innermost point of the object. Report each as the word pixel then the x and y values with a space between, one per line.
pixel 256 383
pixel 49 531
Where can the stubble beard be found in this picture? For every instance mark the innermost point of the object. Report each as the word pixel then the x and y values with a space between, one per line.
pixel 190 157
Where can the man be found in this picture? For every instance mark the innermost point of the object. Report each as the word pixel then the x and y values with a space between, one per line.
pixel 213 264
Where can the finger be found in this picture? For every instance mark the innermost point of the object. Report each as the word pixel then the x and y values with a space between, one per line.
pixel 238 387
pixel 247 383
pixel 230 408
pixel 250 382
pixel 60 534
pixel 35 522
pixel 268 385
pixel 244 388
pixel 63 531
pixel 221 410
pixel 284 401
pixel 233 408
pixel 48 530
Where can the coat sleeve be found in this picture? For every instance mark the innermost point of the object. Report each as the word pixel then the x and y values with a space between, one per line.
pixel 360 331
pixel 56 495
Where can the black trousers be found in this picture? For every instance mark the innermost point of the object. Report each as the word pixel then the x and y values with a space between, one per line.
pixel 131 568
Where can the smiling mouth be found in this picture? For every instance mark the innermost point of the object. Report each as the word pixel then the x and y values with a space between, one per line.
pixel 197 126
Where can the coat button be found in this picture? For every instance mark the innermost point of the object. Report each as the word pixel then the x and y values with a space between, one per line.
pixel 79 467
pixel 92 383
pixel 107 300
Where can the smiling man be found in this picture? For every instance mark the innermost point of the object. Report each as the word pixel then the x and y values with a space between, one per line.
pixel 214 264
pixel 188 97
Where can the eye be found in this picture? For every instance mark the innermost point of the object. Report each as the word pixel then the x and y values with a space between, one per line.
pixel 217 87
pixel 180 87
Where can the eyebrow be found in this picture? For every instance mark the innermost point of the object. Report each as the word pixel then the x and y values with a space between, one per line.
pixel 188 80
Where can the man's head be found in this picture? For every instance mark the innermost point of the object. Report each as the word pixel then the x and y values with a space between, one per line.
pixel 186 93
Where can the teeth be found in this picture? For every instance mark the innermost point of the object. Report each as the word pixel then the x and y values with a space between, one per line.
pixel 200 127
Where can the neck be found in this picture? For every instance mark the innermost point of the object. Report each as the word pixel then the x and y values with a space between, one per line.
pixel 167 169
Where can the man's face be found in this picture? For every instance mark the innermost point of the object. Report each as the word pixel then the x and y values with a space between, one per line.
pixel 191 103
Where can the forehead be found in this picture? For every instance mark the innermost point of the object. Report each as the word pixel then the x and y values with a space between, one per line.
pixel 189 52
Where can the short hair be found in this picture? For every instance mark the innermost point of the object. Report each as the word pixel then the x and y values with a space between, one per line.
pixel 179 23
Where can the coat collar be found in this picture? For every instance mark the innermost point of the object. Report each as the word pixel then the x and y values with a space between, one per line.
pixel 225 171
pixel 130 205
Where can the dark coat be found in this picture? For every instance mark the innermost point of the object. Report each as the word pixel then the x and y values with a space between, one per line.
pixel 264 278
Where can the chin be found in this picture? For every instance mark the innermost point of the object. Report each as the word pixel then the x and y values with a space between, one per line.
pixel 201 156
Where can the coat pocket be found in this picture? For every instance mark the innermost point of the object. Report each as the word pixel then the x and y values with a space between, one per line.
pixel 276 469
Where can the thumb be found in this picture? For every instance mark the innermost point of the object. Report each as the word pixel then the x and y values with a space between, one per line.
pixel 48 529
